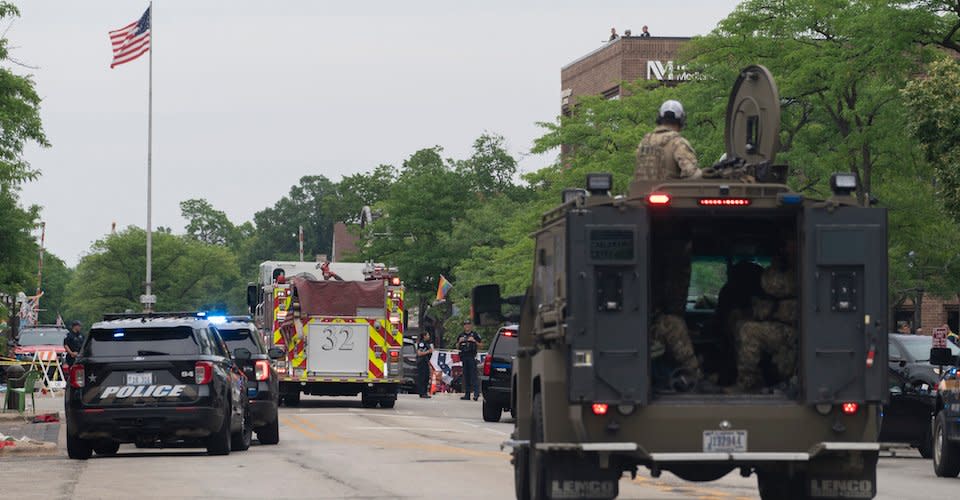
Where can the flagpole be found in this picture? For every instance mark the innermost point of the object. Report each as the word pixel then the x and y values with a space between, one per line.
pixel 148 300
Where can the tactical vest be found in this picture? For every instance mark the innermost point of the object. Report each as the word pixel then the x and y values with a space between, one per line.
pixel 655 157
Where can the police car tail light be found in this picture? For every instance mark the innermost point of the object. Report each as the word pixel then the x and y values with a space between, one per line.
pixel 262 369
pixel 600 408
pixel 850 408
pixel 661 199
pixel 203 372
pixel 487 365
pixel 77 376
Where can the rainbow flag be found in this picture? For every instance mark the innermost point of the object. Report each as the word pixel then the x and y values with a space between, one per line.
pixel 443 288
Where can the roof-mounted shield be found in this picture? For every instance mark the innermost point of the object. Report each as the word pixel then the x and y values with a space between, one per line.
pixel 753 117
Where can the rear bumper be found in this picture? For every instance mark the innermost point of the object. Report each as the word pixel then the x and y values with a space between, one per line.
pixel 733 458
pixel 125 424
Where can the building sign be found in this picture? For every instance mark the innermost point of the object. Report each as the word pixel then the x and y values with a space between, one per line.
pixel 667 72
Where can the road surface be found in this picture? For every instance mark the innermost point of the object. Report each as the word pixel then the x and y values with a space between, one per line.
pixel 332 448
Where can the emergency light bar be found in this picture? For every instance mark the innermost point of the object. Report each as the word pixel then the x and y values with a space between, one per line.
pixel 724 202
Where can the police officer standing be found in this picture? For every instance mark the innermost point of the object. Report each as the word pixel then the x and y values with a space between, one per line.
pixel 424 353
pixel 469 343
pixel 73 342
pixel 664 154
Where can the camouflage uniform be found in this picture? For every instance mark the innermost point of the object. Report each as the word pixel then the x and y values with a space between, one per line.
pixel 671 331
pixel 773 330
pixel 663 155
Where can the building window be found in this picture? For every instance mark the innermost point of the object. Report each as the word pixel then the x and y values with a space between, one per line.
pixel 612 93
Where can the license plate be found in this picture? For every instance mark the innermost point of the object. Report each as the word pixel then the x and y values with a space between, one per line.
pixel 724 441
pixel 139 378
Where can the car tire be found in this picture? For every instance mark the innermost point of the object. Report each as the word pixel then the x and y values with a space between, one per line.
pixel 946 454
pixel 780 485
pixel 270 433
pixel 491 412
pixel 78 449
pixel 926 445
pixel 106 448
pixel 388 403
pixel 538 458
pixel 521 472
pixel 291 399
pixel 219 442
pixel 240 441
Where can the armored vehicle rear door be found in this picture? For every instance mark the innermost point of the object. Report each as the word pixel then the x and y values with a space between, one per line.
pixel 607 304
pixel 844 290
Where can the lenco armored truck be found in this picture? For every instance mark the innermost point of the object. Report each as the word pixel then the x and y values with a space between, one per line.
pixel 340 324
pixel 782 299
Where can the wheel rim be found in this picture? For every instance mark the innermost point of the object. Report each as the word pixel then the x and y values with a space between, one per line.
pixel 937 445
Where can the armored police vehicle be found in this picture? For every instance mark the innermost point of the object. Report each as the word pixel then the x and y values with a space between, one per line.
pixel 153 378
pixel 702 327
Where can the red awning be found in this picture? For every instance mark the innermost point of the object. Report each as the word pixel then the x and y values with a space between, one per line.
pixel 338 298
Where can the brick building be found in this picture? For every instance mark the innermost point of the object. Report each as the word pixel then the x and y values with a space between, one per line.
pixel 934 311
pixel 602 71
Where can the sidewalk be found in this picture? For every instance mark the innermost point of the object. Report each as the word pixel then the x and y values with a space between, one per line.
pixel 43 438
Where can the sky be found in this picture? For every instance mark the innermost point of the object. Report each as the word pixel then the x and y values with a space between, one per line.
pixel 249 96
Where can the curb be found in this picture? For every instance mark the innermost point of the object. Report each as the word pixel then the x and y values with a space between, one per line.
pixel 30 450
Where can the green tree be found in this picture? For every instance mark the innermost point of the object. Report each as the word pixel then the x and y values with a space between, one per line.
pixel 207 224
pixel 187 274
pixel 356 191
pixel 19 125
pixel 839 67
pixel 935 124
pixel 276 227
pixel 56 276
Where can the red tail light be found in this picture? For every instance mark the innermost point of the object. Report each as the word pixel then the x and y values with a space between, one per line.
pixel 509 333
pixel 850 408
pixel 487 365
pixel 77 375
pixel 203 372
pixel 658 199
pixel 600 408
pixel 394 355
pixel 724 202
pixel 262 369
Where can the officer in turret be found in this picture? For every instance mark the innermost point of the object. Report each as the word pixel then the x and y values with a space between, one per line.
pixel 664 154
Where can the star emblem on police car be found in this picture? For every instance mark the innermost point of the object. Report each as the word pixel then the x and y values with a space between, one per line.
pixel 92 378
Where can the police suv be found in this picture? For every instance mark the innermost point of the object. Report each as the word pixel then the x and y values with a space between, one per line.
pixel 156 377
pixel 256 361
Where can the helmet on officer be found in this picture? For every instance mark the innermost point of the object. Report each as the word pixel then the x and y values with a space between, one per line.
pixel 671 111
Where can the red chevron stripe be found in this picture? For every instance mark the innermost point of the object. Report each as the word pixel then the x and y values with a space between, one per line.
pixel 374 370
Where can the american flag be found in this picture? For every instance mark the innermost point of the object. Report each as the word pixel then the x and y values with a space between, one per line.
pixel 131 41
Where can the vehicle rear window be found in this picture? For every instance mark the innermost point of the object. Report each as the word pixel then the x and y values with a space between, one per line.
pixel 919 347
pixel 240 337
pixel 176 341
pixel 42 336
pixel 506 346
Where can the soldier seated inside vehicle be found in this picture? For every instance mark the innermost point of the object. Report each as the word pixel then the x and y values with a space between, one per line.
pixel 724 304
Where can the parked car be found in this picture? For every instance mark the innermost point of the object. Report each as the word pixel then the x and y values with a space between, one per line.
pixel 156 378
pixel 496 380
pixel 263 383
pixel 910 355
pixel 39 338
pixel 906 419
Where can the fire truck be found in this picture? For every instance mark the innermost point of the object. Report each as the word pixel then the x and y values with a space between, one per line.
pixel 340 324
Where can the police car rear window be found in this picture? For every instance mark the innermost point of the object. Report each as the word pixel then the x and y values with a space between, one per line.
pixel 240 337
pixel 175 341
pixel 506 346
